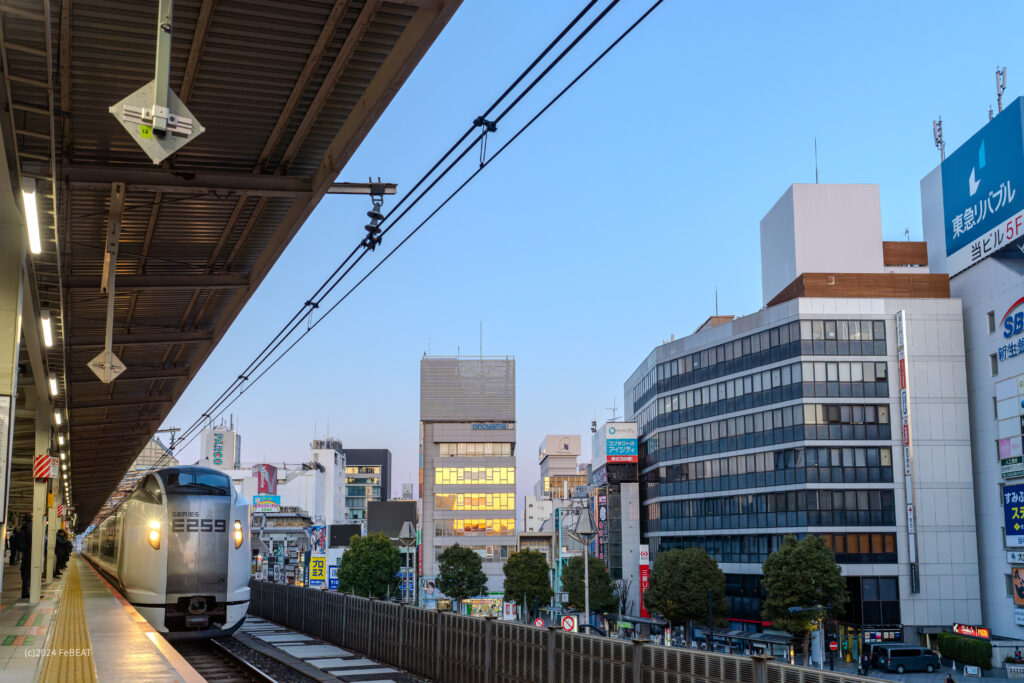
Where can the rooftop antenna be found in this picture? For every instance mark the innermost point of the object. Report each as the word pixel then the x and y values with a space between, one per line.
pixel 991 114
pixel 716 300
pixel 614 409
pixel 1000 87
pixel 906 231
pixel 815 165
pixel 940 144
pixel 481 338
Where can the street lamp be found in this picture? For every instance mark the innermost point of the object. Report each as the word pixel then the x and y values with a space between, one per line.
pixel 583 531
pixel 407 537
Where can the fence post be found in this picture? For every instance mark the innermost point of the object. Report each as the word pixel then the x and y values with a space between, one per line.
pixel 638 660
pixel 551 654
pixel 760 668
pixel 401 635
pixel 369 626
pixel 488 630
pixel 437 646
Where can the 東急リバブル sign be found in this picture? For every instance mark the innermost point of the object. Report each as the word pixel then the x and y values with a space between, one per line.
pixel 983 191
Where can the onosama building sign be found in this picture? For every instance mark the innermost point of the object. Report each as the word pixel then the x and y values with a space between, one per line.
pixel 982 193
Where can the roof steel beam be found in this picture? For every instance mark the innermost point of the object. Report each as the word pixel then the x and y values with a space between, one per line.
pixel 120 402
pixel 137 374
pixel 157 283
pixel 144 338
pixel 139 179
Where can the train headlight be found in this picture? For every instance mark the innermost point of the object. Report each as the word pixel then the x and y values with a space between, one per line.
pixel 154 534
pixel 238 534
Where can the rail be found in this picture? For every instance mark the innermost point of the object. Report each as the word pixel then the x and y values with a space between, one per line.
pixel 449 648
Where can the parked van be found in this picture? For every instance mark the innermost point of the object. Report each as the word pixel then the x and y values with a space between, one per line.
pixel 900 658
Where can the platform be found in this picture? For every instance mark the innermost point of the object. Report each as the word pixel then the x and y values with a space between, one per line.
pixel 81 630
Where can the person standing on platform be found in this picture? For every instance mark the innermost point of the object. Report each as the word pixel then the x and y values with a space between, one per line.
pixel 25 549
pixel 63 551
pixel 15 545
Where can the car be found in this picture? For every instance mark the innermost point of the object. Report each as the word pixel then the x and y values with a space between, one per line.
pixel 901 658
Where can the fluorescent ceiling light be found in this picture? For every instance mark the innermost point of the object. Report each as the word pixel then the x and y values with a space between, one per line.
pixel 44 317
pixel 62 457
pixel 53 384
pixel 56 417
pixel 60 439
pixel 28 195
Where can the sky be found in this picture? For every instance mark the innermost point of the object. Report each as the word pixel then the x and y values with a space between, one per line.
pixel 611 223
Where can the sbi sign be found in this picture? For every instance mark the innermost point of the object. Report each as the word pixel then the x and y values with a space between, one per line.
pixel 1013 323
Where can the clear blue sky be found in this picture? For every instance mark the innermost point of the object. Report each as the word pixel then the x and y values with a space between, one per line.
pixel 608 226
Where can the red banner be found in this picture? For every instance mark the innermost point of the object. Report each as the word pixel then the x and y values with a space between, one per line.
pixel 645 576
pixel 266 476
pixel 972 631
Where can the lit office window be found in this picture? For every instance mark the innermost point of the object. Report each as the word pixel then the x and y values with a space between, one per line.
pixel 475 501
pixel 478 450
pixel 469 476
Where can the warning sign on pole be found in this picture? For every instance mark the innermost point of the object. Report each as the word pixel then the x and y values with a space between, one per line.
pixel 45 467
pixel 569 623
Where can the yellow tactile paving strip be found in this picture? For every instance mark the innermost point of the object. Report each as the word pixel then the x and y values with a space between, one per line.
pixel 69 651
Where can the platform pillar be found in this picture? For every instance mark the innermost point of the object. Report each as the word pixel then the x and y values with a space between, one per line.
pixel 39 487
pixel 12 260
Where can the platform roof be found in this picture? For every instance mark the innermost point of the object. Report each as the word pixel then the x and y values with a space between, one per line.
pixel 286 91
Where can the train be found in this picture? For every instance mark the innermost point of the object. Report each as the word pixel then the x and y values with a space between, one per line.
pixel 177 548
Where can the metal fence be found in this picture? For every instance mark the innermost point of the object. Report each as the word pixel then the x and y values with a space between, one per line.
pixel 450 648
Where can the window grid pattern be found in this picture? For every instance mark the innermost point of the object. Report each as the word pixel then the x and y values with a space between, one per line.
pixel 831 421
pixel 474 501
pixel 474 527
pixel 774 468
pixel 851 507
pixel 481 450
pixel 804 337
pixel 873 548
pixel 474 476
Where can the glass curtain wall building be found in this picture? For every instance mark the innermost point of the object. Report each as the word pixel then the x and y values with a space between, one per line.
pixel 367 478
pixel 791 421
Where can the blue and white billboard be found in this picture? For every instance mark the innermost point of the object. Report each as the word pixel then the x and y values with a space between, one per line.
pixel 1013 512
pixel 983 191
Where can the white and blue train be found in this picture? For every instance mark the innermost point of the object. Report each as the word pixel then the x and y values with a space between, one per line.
pixel 178 550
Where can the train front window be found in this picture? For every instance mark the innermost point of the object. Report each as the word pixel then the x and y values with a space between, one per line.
pixel 194 480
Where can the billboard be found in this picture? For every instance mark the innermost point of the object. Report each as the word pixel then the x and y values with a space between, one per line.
pixel 266 503
pixel 982 188
pixel 318 539
pixel 266 478
pixel 1013 514
pixel 616 442
pixel 1018 586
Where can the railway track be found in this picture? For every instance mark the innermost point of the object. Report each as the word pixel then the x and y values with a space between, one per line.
pixel 218 664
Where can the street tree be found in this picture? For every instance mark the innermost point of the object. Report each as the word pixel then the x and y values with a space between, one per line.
pixel 602 593
pixel 526 578
pixel 622 589
pixel 680 581
pixel 460 573
pixel 370 567
pixel 802 574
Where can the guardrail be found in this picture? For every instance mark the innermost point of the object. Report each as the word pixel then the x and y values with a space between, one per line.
pixel 449 648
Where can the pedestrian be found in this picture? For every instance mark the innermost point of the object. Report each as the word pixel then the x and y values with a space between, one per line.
pixel 63 550
pixel 950 679
pixel 865 664
pixel 15 544
pixel 25 550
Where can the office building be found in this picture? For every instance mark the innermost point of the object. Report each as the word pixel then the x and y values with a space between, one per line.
pixel 536 513
pixel 972 207
pixel 839 409
pixel 559 473
pixel 367 478
pixel 467 464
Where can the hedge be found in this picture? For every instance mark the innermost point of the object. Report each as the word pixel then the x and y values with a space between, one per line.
pixel 966 650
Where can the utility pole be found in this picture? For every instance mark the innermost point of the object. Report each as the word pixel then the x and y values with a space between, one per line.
pixel 828 632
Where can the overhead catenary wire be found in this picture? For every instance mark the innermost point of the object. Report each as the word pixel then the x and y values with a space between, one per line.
pixel 440 206
pixel 334 278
